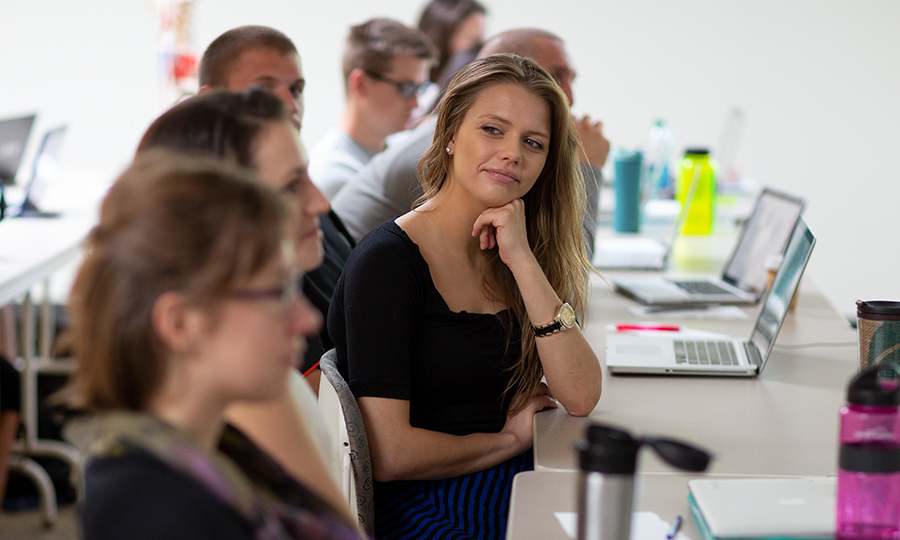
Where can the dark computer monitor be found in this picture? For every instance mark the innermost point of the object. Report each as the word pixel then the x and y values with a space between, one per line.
pixel 13 137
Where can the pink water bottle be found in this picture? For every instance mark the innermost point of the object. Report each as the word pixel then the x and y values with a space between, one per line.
pixel 868 492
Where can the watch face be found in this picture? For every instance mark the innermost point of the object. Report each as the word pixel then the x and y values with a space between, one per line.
pixel 567 316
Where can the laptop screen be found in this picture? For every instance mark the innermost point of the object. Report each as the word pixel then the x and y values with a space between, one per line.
pixel 784 286
pixel 765 233
pixel 45 170
pixel 13 136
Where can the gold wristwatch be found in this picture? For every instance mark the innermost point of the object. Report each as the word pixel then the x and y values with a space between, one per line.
pixel 564 320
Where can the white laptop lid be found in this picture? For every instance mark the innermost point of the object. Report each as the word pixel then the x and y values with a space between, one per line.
pixel 767 507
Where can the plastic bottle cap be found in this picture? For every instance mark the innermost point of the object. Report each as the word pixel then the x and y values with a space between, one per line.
pixel 609 450
pixel 878 307
pixel 868 387
pixel 625 154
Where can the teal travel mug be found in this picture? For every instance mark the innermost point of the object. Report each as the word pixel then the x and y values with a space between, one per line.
pixel 627 217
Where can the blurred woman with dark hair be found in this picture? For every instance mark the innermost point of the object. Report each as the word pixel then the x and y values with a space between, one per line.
pixel 252 129
pixel 454 26
pixel 457 28
pixel 186 303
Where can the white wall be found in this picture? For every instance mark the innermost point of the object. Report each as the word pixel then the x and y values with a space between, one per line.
pixel 818 81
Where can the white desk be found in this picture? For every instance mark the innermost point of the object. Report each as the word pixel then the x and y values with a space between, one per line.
pixel 556 491
pixel 31 249
pixel 782 423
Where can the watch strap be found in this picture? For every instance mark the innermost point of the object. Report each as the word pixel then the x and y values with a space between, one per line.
pixel 547 329
pixel 558 324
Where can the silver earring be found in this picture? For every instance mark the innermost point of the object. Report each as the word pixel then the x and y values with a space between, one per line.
pixel 448 149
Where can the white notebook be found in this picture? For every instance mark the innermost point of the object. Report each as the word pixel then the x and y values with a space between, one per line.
pixel 802 507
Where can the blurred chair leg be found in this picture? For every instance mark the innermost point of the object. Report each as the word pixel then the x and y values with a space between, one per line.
pixel 9 425
pixel 39 476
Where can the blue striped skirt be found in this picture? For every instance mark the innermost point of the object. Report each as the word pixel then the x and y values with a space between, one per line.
pixel 470 507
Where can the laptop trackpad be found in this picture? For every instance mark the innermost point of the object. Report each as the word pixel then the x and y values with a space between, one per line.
pixel 643 350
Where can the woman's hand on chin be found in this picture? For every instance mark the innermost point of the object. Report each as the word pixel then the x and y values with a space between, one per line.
pixel 504 227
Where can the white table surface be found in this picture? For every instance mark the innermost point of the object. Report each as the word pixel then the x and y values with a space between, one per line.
pixel 31 249
pixel 782 423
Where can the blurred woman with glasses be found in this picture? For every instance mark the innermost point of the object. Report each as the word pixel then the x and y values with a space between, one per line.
pixel 185 304
pixel 253 130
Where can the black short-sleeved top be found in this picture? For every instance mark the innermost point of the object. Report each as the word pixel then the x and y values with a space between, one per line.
pixel 10 390
pixel 318 286
pixel 396 338
pixel 124 492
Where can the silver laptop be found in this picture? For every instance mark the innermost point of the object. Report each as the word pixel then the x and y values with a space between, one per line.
pixel 743 278
pixel 633 252
pixel 673 355
pixel 44 172
pixel 799 508
pixel 13 137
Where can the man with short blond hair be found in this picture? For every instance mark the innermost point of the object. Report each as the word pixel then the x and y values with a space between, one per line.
pixel 262 56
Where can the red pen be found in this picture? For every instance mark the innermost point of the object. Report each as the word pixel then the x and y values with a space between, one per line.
pixel 653 327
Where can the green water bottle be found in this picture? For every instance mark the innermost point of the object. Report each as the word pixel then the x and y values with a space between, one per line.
pixel 697 188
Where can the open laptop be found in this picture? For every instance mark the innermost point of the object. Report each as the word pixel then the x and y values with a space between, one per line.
pixel 44 172
pixel 13 137
pixel 674 355
pixel 743 278
pixel 634 252
pixel 796 508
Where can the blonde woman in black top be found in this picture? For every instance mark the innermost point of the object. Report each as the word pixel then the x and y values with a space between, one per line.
pixel 447 318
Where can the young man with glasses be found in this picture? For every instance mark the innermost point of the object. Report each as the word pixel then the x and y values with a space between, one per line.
pixel 386 66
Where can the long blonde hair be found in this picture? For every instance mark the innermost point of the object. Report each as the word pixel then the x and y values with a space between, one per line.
pixel 554 207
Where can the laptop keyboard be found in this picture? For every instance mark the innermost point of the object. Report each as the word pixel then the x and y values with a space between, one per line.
pixel 700 287
pixel 717 353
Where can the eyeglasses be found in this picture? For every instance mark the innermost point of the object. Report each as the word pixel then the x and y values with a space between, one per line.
pixel 285 294
pixel 406 89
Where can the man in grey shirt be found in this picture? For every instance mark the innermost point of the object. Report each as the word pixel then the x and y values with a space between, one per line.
pixel 385 67
pixel 389 185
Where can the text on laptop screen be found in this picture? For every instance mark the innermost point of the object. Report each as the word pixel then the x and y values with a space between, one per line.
pixel 785 284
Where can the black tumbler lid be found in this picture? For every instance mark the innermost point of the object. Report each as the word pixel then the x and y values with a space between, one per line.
pixel 871 387
pixel 697 151
pixel 608 450
pixel 613 451
pixel 878 307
